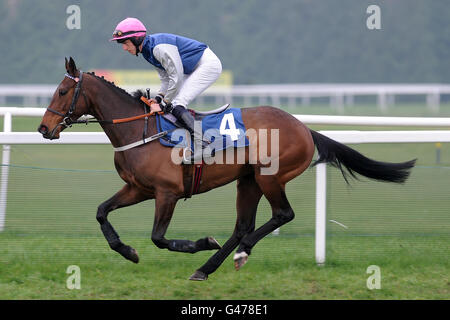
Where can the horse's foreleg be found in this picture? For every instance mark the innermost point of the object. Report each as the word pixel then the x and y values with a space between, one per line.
pixel 165 205
pixel 127 196
pixel 248 196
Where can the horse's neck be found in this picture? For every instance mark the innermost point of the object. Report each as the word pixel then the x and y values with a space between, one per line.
pixel 114 105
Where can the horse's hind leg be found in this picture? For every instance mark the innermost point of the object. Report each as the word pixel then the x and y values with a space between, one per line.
pixel 248 196
pixel 127 196
pixel 281 214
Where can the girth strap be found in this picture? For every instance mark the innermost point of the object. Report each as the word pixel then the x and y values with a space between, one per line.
pixel 192 179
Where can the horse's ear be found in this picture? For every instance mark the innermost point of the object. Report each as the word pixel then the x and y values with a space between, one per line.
pixel 67 64
pixel 72 68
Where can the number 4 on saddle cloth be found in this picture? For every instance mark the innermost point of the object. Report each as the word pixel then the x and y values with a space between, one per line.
pixel 223 129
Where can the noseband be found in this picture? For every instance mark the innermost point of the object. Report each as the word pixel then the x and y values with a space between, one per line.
pixel 67 120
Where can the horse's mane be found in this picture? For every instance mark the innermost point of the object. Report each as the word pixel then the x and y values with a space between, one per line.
pixel 136 95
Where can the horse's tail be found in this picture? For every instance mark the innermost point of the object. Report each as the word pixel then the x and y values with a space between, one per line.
pixel 339 156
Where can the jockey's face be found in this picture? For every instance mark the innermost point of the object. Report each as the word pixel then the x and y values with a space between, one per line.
pixel 129 46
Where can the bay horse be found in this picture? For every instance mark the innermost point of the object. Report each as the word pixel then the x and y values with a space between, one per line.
pixel 149 173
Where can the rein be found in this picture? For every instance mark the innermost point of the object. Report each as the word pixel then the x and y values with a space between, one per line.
pixel 117 121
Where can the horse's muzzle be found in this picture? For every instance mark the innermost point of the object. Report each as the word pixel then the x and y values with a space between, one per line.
pixel 43 129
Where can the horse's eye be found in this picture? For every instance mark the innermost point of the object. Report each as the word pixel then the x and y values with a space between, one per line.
pixel 62 92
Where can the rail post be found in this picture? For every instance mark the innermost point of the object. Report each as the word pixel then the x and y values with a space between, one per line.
pixel 7 124
pixel 321 213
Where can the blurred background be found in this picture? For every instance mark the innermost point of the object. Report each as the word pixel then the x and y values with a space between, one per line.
pixel 259 41
pixel 319 44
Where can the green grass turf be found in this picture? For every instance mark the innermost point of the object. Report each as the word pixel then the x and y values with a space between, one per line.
pixel 280 268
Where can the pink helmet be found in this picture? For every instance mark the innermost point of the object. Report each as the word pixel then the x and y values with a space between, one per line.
pixel 128 28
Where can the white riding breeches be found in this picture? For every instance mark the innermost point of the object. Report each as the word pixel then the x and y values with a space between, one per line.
pixel 204 75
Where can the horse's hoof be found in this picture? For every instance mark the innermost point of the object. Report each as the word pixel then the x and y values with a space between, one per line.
pixel 133 255
pixel 213 244
pixel 199 276
pixel 240 258
pixel 129 253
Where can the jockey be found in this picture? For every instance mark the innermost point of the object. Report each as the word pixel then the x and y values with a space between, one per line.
pixel 186 67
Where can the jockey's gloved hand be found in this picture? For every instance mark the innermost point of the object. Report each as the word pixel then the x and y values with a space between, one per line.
pixel 159 97
pixel 166 106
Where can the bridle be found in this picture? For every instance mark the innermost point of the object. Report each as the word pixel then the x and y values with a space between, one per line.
pixel 67 117
pixel 68 121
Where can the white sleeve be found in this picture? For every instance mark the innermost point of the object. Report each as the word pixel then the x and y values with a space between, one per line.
pixel 169 57
pixel 164 77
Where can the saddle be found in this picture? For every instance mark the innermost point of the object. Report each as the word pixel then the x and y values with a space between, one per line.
pixel 198 115
pixel 192 170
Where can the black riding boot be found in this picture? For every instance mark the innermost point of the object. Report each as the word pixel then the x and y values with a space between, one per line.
pixel 182 114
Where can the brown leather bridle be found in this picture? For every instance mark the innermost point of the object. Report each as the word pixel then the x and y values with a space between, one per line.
pixel 67 117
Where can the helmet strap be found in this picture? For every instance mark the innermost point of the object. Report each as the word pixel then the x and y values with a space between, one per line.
pixel 137 50
pixel 136 45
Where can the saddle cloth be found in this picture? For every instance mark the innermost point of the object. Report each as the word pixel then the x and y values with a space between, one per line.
pixel 224 130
